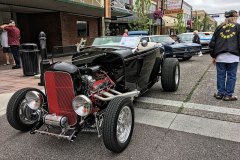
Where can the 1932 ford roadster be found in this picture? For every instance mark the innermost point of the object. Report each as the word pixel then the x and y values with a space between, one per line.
pixel 94 92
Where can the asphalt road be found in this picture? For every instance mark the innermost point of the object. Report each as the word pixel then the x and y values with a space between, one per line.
pixel 197 85
pixel 147 143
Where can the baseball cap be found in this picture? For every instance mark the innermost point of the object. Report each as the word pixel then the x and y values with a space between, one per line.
pixel 231 13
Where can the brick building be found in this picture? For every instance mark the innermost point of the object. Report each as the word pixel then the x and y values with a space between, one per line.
pixel 65 22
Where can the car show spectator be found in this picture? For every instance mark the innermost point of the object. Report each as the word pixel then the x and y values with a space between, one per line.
pixel 13 41
pixel 225 46
pixel 125 34
pixel 196 39
pixel 5 46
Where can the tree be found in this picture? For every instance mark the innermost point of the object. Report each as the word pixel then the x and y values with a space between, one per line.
pixel 206 25
pixel 179 24
pixel 142 22
pixel 197 23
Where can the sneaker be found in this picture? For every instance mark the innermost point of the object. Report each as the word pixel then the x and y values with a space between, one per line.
pixel 16 67
pixel 218 96
pixel 200 54
pixel 230 98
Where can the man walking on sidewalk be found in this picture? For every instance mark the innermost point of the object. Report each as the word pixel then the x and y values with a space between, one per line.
pixel 225 51
pixel 13 41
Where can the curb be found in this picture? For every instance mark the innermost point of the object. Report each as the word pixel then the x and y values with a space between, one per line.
pixel 193 109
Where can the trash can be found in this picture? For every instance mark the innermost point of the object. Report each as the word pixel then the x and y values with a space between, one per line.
pixel 29 56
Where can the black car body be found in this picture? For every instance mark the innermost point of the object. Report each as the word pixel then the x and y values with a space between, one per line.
pixel 94 92
pixel 205 38
pixel 174 49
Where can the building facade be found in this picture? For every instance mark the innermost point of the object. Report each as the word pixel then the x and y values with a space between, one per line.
pixel 201 15
pixel 121 23
pixel 65 22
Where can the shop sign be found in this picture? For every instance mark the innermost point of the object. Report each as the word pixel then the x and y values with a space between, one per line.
pixel 175 11
pixel 174 4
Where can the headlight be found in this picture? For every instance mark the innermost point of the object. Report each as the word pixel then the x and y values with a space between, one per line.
pixel 82 105
pixel 34 99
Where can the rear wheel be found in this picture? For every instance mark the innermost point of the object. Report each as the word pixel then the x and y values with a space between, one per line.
pixel 170 74
pixel 118 124
pixel 19 115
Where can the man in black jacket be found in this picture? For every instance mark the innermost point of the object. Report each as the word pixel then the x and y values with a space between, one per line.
pixel 225 46
pixel 196 39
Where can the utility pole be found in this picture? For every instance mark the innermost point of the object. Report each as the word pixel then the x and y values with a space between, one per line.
pixel 161 29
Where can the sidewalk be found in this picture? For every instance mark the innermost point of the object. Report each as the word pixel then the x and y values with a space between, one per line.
pixel 13 80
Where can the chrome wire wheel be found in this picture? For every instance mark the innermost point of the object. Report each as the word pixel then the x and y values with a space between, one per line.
pixel 25 114
pixel 124 124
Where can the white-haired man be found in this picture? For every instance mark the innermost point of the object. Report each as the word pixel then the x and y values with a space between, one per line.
pixel 225 45
pixel 196 39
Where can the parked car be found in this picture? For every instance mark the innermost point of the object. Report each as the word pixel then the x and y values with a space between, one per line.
pixel 138 33
pixel 205 38
pixel 173 49
pixel 94 92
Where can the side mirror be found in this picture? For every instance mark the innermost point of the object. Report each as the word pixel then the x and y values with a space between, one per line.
pixel 144 43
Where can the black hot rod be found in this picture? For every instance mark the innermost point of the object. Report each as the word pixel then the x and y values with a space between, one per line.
pixel 94 92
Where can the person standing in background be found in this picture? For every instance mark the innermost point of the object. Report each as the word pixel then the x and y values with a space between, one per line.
pixel 225 53
pixel 5 46
pixel 125 34
pixel 13 41
pixel 196 39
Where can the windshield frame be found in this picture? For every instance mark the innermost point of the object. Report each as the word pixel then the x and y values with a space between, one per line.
pixel 116 41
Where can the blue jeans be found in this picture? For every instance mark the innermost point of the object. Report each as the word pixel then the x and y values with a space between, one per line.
pixel 226 78
pixel 15 53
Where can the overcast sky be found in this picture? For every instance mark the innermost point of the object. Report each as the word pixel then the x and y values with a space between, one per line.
pixel 215 6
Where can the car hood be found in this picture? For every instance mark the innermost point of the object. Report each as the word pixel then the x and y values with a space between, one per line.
pixel 183 45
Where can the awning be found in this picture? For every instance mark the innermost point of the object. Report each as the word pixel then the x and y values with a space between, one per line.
pixel 120 9
pixel 121 12
pixel 69 6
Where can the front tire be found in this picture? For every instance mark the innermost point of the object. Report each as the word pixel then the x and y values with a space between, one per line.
pixel 170 74
pixel 118 124
pixel 15 115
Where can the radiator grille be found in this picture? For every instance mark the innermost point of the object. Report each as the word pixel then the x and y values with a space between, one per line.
pixel 60 93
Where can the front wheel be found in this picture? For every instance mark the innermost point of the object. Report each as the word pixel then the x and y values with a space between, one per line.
pixel 118 124
pixel 19 115
pixel 170 76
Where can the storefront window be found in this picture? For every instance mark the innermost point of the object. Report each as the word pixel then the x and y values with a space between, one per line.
pixel 82 29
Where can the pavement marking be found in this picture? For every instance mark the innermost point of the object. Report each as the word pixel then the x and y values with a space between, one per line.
pixel 189 124
pixel 160 101
pixel 179 122
pixel 151 117
pixel 186 105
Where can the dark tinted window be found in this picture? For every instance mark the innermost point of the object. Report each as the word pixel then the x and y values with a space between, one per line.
pixel 82 28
